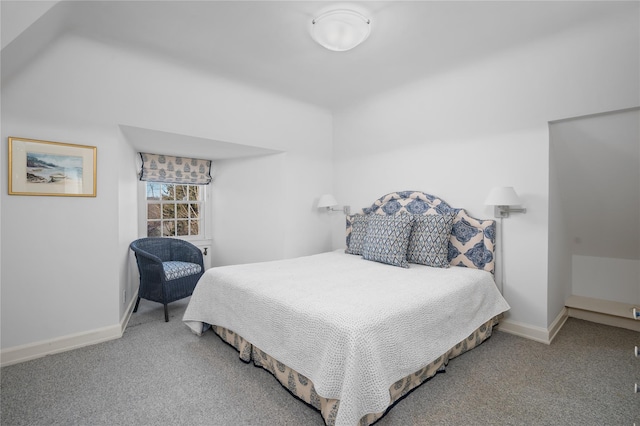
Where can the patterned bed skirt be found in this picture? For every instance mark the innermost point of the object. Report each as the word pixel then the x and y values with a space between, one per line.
pixel 302 388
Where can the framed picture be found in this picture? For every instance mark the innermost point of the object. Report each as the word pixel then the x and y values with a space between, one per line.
pixel 51 168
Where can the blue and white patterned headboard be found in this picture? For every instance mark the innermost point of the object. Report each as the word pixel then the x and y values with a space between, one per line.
pixel 472 242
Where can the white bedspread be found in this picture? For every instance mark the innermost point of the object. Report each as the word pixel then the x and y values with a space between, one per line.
pixel 354 327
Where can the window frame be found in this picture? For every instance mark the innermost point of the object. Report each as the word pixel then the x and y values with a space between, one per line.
pixel 204 235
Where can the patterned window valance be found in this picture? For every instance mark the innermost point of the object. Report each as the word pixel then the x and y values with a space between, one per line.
pixel 169 169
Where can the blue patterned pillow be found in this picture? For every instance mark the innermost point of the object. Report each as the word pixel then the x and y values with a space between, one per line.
pixel 387 239
pixel 355 240
pixel 429 240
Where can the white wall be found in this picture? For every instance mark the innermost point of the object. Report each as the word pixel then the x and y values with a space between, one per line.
pixel 248 193
pixel 60 257
pixel 459 134
pixel 559 256
pixel 80 91
pixel 598 166
pixel 127 228
pixel 617 280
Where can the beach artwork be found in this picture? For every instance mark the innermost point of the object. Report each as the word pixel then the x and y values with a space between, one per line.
pixel 45 168
pixel 38 167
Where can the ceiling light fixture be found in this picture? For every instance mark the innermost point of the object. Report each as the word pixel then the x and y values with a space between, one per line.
pixel 341 29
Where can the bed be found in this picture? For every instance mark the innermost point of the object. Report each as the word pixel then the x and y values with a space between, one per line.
pixel 351 332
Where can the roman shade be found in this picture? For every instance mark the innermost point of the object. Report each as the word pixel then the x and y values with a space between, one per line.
pixel 170 169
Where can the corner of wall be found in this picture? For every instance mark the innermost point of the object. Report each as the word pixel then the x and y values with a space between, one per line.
pixel 538 334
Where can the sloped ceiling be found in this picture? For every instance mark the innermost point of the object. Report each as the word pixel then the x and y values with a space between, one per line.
pixel 598 168
pixel 268 43
pixel 20 15
pixel 148 140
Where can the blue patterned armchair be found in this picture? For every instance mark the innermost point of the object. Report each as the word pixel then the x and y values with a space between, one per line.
pixel 169 269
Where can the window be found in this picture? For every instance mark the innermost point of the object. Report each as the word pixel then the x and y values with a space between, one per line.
pixel 174 210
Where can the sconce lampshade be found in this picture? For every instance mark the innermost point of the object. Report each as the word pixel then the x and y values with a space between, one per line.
pixel 340 30
pixel 327 200
pixel 502 196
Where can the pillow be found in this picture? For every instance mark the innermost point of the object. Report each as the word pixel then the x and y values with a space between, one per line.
pixel 355 240
pixel 429 240
pixel 387 239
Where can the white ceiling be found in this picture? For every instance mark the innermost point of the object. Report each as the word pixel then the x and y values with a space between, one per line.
pixel 148 140
pixel 268 44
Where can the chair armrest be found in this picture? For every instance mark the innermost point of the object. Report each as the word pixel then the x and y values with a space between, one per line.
pixel 147 255
pixel 188 252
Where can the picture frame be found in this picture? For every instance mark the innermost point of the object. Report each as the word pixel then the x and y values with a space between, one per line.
pixel 38 167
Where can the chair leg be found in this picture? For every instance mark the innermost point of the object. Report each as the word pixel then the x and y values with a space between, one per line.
pixel 135 309
pixel 166 313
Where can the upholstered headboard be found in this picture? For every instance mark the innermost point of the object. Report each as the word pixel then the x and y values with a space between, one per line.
pixel 472 241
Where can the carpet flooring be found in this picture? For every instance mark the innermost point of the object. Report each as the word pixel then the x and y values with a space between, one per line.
pixel 161 374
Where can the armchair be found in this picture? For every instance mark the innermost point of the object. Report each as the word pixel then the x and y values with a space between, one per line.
pixel 169 269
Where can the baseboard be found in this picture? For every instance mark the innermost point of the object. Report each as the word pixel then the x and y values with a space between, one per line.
pixel 538 334
pixel 31 351
pixel 616 314
pixel 557 324
pixel 127 313
pixel 35 350
pixel 600 318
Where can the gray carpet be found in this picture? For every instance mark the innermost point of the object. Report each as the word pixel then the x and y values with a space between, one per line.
pixel 161 374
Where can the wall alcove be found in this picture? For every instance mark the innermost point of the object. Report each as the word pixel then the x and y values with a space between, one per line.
pixel 595 184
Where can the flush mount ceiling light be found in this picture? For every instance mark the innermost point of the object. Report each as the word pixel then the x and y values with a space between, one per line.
pixel 340 30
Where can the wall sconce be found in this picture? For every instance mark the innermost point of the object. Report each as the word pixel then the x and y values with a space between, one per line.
pixel 340 30
pixel 329 203
pixel 503 197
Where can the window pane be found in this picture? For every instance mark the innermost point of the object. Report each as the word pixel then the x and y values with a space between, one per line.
pixel 173 210
pixel 168 211
pixel 182 211
pixel 195 227
pixel 153 228
pixel 194 210
pixel 183 227
pixel 168 192
pixel 153 191
pixel 181 192
pixel 168 228
pixel 153 211
pixel 194 193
